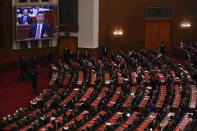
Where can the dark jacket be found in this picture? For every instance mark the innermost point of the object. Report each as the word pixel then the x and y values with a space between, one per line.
pixel 28 20
pixel 46 29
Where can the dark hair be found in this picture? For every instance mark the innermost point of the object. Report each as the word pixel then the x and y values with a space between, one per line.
pixel 40 12
pixel 26 10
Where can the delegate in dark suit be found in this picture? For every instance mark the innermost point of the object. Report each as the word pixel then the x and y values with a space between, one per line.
pixel 34 79
pixel 46 29
pixel 28 20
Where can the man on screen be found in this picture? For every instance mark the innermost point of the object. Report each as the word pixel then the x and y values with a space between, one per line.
pixel 25 19
pixel 40 29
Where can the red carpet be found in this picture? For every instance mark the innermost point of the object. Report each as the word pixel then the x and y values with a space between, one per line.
pixel 15 94
pixel 7 59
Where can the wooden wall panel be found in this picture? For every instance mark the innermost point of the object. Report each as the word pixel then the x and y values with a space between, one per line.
pixel 68 14
pixel 67 42
pixel 6 21
pixel 95 52
pixel 165 33
pixel 157 32
pixel 1 26
pixel 152 35
pixel 130 16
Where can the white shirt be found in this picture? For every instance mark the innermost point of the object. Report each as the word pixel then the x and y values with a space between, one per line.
pixel 52 118
pixel 40 29
pixel 24 17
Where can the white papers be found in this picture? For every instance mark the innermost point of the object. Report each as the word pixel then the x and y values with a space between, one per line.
pixel 120 113
pixel 107 81
pixel 109 124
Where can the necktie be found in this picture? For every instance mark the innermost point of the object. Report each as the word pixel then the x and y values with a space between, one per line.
pixel 38 32
pixel 24 20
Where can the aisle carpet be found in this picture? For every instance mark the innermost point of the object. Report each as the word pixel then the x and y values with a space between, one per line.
pixel 15 94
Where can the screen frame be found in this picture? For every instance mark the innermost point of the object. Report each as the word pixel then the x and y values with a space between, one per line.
pixel 30 39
